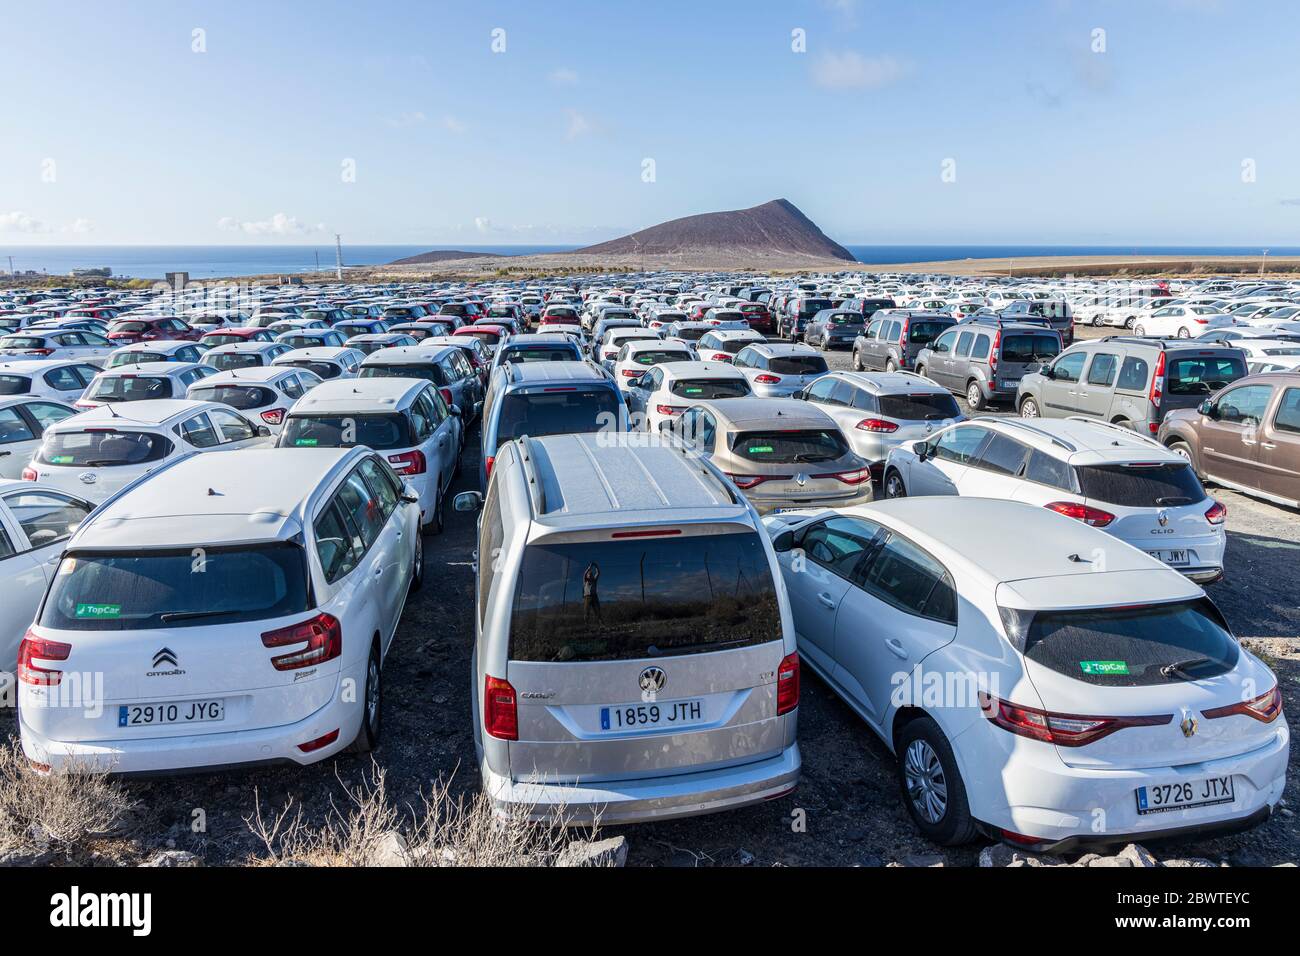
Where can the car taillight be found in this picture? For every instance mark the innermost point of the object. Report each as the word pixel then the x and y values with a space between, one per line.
pixel 35 648
pixel 750 481
pixel 669 409
pixel 29 473
pixel 876 425
pixel 631 373
pixel 1218 511
pixel 408 463
pixel 855 477
pixel 720 357
pixel 488 462
pixel 446 396
pixel 274 417
pixel 322 634
pixel 1063 730
pixel 500 711
pixel 319 742
pixel 767 379
pixel 993 354
pixel 787 685
pixel 82 403
pixel 902 336
pixel 39 352
pixel 1085 513
pixel 1158 382
pixel 1265 708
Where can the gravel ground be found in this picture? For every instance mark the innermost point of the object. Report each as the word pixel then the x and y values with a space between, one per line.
pixel 846 810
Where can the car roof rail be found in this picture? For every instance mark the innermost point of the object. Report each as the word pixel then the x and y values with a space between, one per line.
pixel 1128 432
pixel 1021 423
pixel 527 452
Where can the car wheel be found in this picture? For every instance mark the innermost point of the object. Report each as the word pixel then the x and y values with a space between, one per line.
pixel 1029 408
pixel 1183 333
pixel 372 706
pixel 975 397
pixel 890 366
pixel 894 487
pixel 932 786
pixel 1096 321
pixel 1139 330
pixel 435 523
pixel 920 370
pixel 857 361
pixel 1129 322
pixel 1183 450
pixel 417 565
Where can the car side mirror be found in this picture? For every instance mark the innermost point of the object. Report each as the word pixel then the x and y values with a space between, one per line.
pixel 468 501
pixel 783 542
pixel 1047 371
pixel 263 431
pixel 1208 409
pixel 410 496
pixel 922 450
pixel 454 410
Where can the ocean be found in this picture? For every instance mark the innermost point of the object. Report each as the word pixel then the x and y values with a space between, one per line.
pixel 201 262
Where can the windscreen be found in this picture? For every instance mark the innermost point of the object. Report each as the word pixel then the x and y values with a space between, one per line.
pixel 1030 347
pixel 228 360
pixel 380 432
pixel 707 389
pixel 101 448
pixel 561 411
pixel 796 446
pixel 430 373
pixel 1141 486
pixel 644 598
pixel 243 397
pixel 923 406
pixel 797 364
pixel 923 333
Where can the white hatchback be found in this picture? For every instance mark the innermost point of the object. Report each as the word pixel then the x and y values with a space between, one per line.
pixel 60 379
pixel 148 381
pixel 224 612
pixel 266 393
pixel 662 393
pixel 23 421
pixel 1062 691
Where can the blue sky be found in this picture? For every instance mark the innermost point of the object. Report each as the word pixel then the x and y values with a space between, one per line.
pixel 114 130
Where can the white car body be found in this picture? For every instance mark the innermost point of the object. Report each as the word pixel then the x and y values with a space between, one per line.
pixel 59 379
pixel 156 351
pixel 1182 321
pixel 663 392
pixel 263 395
pixel 148 381
pixel 23 420
pixel 343 360
pixel 638 357
pixel 71 344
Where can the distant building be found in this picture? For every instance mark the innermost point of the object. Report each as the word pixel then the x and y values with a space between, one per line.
pixel 103 272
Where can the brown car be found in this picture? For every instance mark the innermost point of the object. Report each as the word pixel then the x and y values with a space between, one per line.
pixel 1246 437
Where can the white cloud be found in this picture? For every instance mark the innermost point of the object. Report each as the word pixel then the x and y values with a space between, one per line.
pixel 564 77
pixel 578 125
pixel 453 124
pixel 278 225
pixel 407 120
pixel 80 226
pixel 853 71
pixel 483 224
pixel 19 221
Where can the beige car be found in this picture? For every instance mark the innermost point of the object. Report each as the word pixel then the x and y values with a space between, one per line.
pixel 781 452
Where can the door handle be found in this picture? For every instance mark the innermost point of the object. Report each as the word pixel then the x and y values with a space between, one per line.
pixel 896 647
pixel 5 454
pixel 1267 444
pixel 825 601
pixel 379 570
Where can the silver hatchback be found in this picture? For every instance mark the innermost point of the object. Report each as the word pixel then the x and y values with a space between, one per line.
pixel 635 654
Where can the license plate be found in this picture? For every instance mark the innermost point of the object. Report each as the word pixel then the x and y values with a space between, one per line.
pixel 1174 558
pixel 1205 792
pixel 175 712
pixel 668 713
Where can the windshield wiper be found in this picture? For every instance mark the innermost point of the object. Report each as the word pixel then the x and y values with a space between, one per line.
pixel 1179 668
pixel 1174 500
pixel 168 616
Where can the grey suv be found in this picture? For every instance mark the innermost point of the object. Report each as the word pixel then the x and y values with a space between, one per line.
pixel 1128 380
pixel 1054 313
pixel 985 360
pixel 895 337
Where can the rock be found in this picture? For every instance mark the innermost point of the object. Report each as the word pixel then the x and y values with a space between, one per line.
pixel 12 858
pixel 1110 861
pixel 1002 855
pixel 611 852
pixel 292 863
pixel 744 858
pixel 1192 861
pixel 390 850
pixel 924 860
pixel 871 860
pixel 1138 856
pixel 173 858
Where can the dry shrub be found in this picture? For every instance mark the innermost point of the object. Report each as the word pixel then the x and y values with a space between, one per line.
pixel 59 810
pixel 443 831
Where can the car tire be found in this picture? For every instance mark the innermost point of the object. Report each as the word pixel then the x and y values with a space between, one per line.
pixel 436 523
pixel 1184 450
pixel 1029 409
pixel 975 396
pixel 372 710
pixel 931 784
pixel 920 370
pixel 893 485
pixel 890 366
pixel 1139 330
pixel 857 362
pixel 1183 333
pixel 417 564
pixel 1096 321
pixel 1130 322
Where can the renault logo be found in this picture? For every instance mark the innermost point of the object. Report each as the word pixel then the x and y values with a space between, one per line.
pixel 1188 726
pixel 1162 516
pixel 652 680
pixel 801 479
pixel 165 656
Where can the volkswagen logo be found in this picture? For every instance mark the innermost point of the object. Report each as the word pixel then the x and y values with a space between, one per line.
pixel 652 680
pixel 88 477
pixel 165 656
pixel 1162 516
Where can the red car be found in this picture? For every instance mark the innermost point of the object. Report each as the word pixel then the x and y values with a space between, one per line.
pixel 164 328
pixel 758 316
pixel 251 333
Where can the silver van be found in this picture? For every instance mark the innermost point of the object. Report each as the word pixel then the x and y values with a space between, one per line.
pixel 635 654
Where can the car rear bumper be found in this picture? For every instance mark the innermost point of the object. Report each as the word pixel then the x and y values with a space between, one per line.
pixel 857 495
pixel 658 798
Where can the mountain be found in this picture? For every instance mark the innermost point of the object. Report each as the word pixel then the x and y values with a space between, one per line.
pixel 441 255
pixel 774 230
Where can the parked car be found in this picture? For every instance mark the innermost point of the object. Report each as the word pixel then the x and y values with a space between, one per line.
pixel 223 358
pixel 147 382
pixel 101 451
pixel 324 362
pixel 312 338
pixel 672 689
pixel 663 392
pixel 1128 380
pixel 834 328
pixel 1182 321
pixel 141 352
pixel 894 338
pixel 721 345
pixel 1246 437
pixel 403 418
pixel 88 347
pixel 242 663
pixel 1056 314
pixel 233 336
pixel 1104 475
pixel 781 453
pixel 635 357
pixel 60 379
pixel 261 394
pixel 23 420
pixel 1184 731
pixel 446 366
pixel 778 369
pixel 539 347
pixel 877 411
pixel 163 328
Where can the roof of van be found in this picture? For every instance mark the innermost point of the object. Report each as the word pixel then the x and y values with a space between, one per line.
pixel 238 497
pixel 358 395
pixel 619 478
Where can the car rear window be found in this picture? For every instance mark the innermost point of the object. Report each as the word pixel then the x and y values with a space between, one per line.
pixel 323 369
pixel 21 342
pixel 923 333
pixel 15 385
pixel 131 327
pixel 380 432
pixel 135 358
pixel 1141 486
pixel 707 389
pixel 1131 646
pixel 795 446
pixel 142 590
pixel 1030 348
pixel 129 388
pixel 218 340
pixel 690 335
pixel 559 410
pixel 797 364
pixel 810 307
pixel 242 397
pixel 644 598
pixel 229 360
pixel 659 356
pixel 1203 374
pixel 923 406
pixel 541 354
pixel 429 372
pixel 104 447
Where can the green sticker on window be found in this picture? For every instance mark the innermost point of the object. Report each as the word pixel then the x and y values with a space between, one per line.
pixel 1104 668
pixel 61 460
pixel 760 449
pixel 694 391
pixel 307 441
pixel 99 610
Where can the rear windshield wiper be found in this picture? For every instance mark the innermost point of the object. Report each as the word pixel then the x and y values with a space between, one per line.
pixel 1179 668
pixel 1174 500
pixel 168 616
